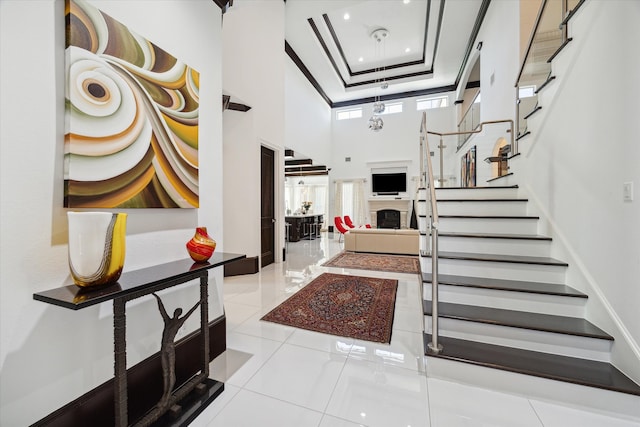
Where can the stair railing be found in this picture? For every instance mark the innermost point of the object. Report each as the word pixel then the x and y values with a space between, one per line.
pixel 470 120
pixel 478 129
pixel 426 179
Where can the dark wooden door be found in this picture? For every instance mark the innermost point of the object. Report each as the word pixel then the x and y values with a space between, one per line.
pixel 267 210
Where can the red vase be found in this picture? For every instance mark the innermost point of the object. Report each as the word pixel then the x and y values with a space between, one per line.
pixel 201 246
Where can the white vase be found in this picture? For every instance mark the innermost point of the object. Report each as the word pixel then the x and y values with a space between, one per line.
pixel 96 247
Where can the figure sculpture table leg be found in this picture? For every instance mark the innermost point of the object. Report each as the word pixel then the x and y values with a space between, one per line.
pixel 120 361
pixel 120 358
pixel 204 322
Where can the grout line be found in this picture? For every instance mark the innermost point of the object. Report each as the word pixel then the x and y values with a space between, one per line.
pixel 431 421
pixel 222 407
pixel 335 386
pixel 535 412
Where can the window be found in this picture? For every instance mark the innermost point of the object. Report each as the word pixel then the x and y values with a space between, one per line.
pixel 298 189
pixel 395 107
pixel 526 91
pixel 353 113
pixel 347 199
pixel 435 102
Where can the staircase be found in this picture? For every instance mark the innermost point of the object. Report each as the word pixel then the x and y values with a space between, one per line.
pixel 504 305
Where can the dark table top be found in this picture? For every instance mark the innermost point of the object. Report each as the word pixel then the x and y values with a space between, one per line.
pixel 76 298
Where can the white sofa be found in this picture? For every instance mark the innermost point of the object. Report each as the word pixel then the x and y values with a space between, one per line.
pixel 382 240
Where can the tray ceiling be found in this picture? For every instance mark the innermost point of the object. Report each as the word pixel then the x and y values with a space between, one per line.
pixel 424 47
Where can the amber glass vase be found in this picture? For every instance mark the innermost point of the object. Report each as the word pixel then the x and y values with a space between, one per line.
pixel 96 247
pixel 201 246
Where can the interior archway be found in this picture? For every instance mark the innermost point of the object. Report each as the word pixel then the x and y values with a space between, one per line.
pixel 499 162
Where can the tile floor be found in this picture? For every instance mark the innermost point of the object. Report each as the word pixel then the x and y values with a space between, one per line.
pixel 278 376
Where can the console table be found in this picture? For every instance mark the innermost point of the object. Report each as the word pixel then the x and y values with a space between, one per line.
pixel 136 284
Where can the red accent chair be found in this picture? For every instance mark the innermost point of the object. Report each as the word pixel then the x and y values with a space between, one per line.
pixel 347 220
pixel 350 224
pixel 340 226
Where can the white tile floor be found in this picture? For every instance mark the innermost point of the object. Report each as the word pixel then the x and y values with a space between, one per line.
pixel 278 376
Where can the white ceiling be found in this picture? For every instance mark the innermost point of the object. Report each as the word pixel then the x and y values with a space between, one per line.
pixel 427 45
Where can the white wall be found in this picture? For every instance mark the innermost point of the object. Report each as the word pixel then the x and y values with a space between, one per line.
pixel 397 141
pixel 307 118
pixel 583 147
pixel 50 355
pixel 241 147
pixel 253 73
pixel 499 60
pixel 499 68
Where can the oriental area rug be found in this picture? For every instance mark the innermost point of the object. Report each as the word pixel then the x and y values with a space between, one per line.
pixel 377 262
pixel 348 306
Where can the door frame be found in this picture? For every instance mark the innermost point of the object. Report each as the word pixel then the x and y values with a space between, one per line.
pixel 278 197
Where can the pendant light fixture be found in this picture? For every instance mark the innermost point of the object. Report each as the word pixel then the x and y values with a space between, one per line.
pixel 379 36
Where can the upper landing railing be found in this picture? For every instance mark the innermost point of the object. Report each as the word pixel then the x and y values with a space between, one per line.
pixel 513 147
pixel 548 38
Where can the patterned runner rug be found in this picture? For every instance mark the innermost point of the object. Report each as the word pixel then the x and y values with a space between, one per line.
pixel 377 262
pixel 337 304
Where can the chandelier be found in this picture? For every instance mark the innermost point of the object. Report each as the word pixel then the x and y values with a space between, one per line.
pixel 375 122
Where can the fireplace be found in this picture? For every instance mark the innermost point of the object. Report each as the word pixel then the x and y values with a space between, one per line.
pixel 382 203
pixel 388 218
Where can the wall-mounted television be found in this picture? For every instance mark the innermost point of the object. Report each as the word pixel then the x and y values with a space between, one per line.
pixel 388 183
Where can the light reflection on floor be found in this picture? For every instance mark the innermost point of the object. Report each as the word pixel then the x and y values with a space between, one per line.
pixel 280 376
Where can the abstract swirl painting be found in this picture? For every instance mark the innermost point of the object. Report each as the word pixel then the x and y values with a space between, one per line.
pixel 131 138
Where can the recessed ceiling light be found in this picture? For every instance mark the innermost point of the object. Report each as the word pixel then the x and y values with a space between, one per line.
pixel 406 1
pixel 407 50
pixel 360 59
pixel 347 16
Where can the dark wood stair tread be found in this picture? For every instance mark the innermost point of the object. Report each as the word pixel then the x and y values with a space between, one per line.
pixel 515 259
pixel 518 319
pixel 494 236
pixel 505 175
pixel 488 216
pixel 490 187
pixel 542 86
pixel 482 200
pixel 545 365
pixel 506 285
pixel 535 110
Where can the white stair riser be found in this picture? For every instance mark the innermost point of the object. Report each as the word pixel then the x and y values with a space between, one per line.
pixel 425 243
pixel 477 193
pixel 423 223
pixel 482 208
pixel 589 398
pixel 504 181
pixel 527 339
pixel 521 247
pixel 489 225
pixel 508 300
pixel 497 270
pixel 422 208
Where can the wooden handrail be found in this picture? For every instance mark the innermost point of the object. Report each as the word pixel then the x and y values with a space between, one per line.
pixel 514 147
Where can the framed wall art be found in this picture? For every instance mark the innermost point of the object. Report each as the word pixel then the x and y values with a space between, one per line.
pixel 468 168
pixel 131 110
